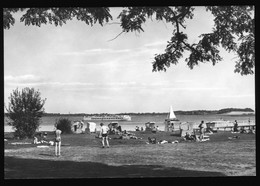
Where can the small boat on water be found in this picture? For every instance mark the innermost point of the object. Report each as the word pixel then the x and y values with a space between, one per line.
pixel 171 116
pixel 108 118
pixel 171 122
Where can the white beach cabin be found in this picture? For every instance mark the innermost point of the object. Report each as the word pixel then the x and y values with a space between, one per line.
pixel 77 127
pixel 91 127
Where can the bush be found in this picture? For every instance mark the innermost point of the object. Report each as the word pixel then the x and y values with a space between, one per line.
pixel 25 111
pixel 64 124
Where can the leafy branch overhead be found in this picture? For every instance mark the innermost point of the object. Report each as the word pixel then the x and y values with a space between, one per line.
pixel 234 30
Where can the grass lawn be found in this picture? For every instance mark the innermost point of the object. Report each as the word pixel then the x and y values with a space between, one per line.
pixel 83 157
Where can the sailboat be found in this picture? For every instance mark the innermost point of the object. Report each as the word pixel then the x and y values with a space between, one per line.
pixel 171 121
pixel 171 116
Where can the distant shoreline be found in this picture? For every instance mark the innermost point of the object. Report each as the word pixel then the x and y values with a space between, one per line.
pixel 151 114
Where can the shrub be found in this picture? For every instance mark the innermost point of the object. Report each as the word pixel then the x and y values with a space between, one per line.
pixel 25 111
pixel 64 124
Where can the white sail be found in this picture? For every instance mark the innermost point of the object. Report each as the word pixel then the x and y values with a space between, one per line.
pixel 171 122
pixel 171 115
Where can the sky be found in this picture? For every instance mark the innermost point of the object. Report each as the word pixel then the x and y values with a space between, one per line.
pixel 80 69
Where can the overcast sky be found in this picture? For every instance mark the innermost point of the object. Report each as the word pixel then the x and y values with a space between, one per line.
pixel 79 70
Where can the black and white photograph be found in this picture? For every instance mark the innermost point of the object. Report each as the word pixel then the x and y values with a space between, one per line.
pixel 129 92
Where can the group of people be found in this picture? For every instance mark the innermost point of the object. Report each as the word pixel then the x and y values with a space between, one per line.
pixel 190 137
pixel 104 135
pixel 242 129
pixel 57 141
pixel 203 127
pixel 41 139
pixel 139 129
pixel 128 135
pixel 114 129
pixel 202 137
pixel 105 130
pixel 154 129
pixel 152 140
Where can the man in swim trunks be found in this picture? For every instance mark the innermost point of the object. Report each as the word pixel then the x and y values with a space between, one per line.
pixel 202 127
pixel 104 134
pixel 57 142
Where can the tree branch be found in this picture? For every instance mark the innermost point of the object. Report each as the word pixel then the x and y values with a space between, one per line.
pixel 116 36
pixel 183 26
pixel 113 23
pixel 190 47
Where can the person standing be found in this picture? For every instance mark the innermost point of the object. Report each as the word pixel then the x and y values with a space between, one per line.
pixel 57 142
pixel 202 127
pixel 104 134
pixel 235 126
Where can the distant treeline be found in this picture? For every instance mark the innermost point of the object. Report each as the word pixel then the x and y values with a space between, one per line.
pixel 197 112
pixel 221 111
pixel 227 110
pixel 178 112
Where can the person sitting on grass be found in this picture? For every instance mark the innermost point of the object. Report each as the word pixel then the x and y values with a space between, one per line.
pixel 251 131
pixel 243 130
pixel 188 136
pixel 137 128
pixel 35 140
pixel 104 134
pixel 154 130
pixel 163 142
pixel 157 128
pixel 194 136
pixel 152 140
pixel 119 129
pixel 44 138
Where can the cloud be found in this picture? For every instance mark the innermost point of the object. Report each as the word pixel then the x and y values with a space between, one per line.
pixel 155 44
pixel 36 81
pixel 96 86
pixel 32 80
pixel 75 85
pixel 234 96
pixel 193 88
pixel 22 78
pixel 121 83
pixel 95 51
pixel 184 81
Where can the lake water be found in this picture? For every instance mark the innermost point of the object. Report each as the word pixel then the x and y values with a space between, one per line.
pixel 47 122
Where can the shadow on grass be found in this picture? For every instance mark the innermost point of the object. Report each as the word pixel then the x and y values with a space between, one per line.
pixel 46 154
pixel 16 168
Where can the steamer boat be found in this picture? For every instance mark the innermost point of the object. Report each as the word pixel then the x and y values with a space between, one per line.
pixel 108 118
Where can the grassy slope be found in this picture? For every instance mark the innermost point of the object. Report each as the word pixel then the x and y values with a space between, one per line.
pixel 83 157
